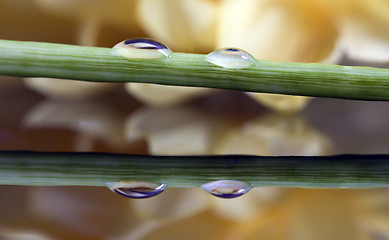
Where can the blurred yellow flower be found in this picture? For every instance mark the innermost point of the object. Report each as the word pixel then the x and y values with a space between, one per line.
pixel 91 16
pixel 281 30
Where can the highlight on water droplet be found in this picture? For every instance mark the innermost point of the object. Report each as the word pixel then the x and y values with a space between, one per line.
pixel 234 58
pixel 142 48
pixel 227 188
pixel 137 190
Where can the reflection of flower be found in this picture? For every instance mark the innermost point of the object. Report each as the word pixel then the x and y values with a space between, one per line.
pixel 275 135
pixel 176 131
pixel 187 131
pixel 302 214
pixel 183 131
pixel 92 213
pixel 92 120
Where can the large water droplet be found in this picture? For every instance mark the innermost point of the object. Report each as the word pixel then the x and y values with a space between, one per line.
pixel 137 189
pixel 227 188
pixel 231 58
pixel 142 48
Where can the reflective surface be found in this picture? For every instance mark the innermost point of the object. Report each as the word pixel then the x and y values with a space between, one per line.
pixel 108 119
pixel 225 122
pixel 118 123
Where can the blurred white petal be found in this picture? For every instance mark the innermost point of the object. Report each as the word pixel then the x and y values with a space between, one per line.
pixel 236 142
pixel 174 126
pixel 274 135
pixel 24 234
pixel 288 135
pixel 87 118
pixel 277 30
pixel 183 25
pixel 65 89
pixel 365 41
pixel 281 103
pixel 162 95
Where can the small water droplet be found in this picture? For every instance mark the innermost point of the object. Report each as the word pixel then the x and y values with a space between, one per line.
pixel 142 48
pixel 137 189
pixel 227 188
pixel 234 58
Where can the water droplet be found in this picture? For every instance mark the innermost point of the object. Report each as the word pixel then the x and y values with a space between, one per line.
pixel 227 188
pixel 142 48
pixel 231 58
pixel 137 189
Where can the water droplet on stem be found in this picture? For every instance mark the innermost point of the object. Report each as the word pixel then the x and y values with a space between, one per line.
pixel 142 48
pixel 233 58
pixel 227 188
pixel 137 189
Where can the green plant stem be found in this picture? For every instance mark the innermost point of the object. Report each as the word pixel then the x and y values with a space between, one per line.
pixel 96 169
pixel 34 59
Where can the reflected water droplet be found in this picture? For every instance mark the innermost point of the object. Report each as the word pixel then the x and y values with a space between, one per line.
pixel 137 189
pixel 142 48
pixel 227 188
pixel 231 58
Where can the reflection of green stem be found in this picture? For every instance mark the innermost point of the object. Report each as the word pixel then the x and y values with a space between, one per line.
pixel 96 169
pixel 32 59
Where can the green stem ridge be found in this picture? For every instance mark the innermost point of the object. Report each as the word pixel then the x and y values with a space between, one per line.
pixel 97 169
pixel 35 59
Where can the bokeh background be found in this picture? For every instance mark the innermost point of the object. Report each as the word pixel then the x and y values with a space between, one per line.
pixel 56 115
